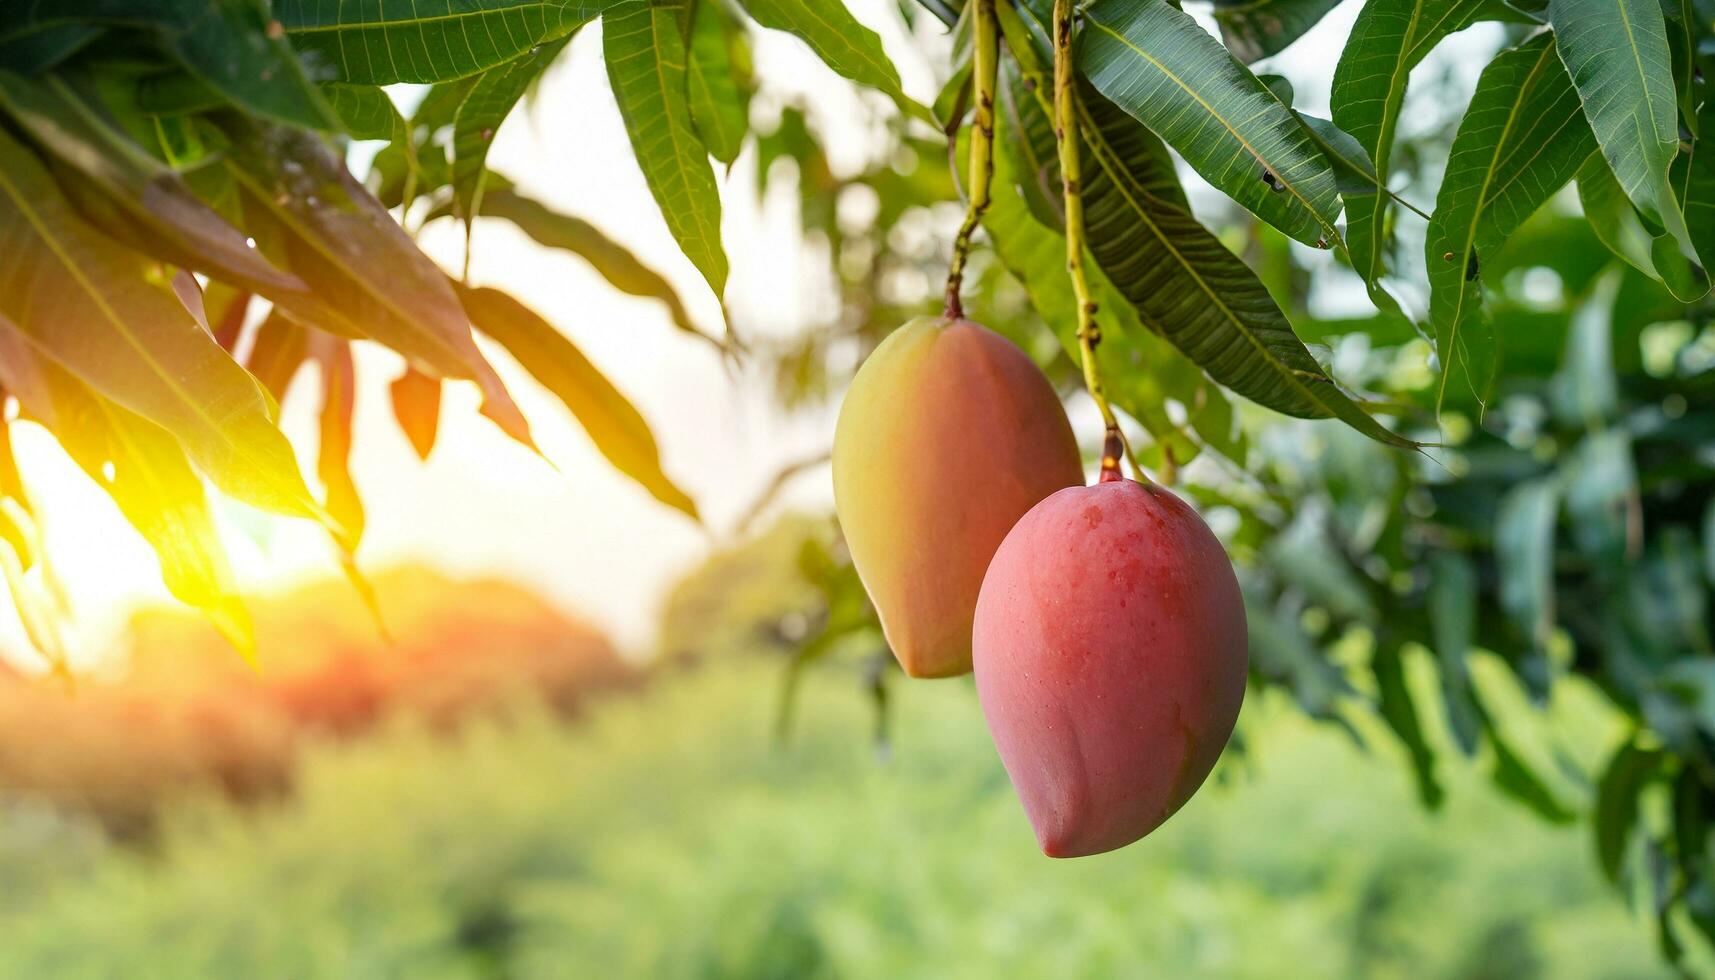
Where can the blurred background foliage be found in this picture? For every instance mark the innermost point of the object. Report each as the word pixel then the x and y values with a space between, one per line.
pixel 1564 530
pixel 669 835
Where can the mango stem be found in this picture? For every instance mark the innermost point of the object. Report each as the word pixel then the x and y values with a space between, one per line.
pixel 986 58
pixel 1089 332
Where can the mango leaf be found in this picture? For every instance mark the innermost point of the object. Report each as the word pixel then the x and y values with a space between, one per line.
pixel 365 111
pixel 1452 602
pixel 1255 29
pixel 1627 774
pixel 301 204
pixel 333 452
pixel 849 48
pixel 718 76
pixel 1157 64
pixel 134 197
pixel 617 429
pixel 1699 186
pixel 1354 171
pixel 278 350
pixel 416 399
pixel 1524 554
pixel 333 462
pixel 1616 223
pixel 41 50
pixel 1619 58
pixel 379 42
pixel 143 469
pixel 480 114
pixel 1388 40
pixel 1522 138
pixel 1305 559
pixel 1140 370
pixel 231 46
pixel 646 57
pixel 1514 777
pixel 1601 492
pixel 1400 713
pixel 42 618
pixel 1182 281
pixel 1281 652
pixel 65 285
pixel 611 260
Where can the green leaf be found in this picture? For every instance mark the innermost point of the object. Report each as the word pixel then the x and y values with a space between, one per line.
pixel 1522 138
pixel 1623 781
pixel 416 400
pixel 1304 558
pixel 1354 171
pixel 1452 601
pixel 143 469
pixel 1619 58
pixel 106 314
pixel 365 111
pixel 611 260
pixel 1280 652
pixel 1699 186
pixel 232 46
pixel 379 42
pixel 1388 40
pixel 134 197
pixel 1585 390
pixel 1616 222
pixel 1516 779
pixel 1601 492
pixel 1139 369
pixel 614 425
pixel 480 114
pixel 1524 555
pixel 1255 29
pixel 300 203
pixel 1157 64
pixel 1400 713
pixel 645 50
pixel 41 50
pixel 1182 281
pixel 849 48
pixel 719 80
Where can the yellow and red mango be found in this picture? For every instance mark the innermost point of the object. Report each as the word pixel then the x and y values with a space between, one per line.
pixel 1110 655
pixel 948 435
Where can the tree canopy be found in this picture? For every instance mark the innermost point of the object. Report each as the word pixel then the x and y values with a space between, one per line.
pixel 1514 466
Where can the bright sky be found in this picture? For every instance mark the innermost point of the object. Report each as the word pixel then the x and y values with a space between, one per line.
pixel 585 537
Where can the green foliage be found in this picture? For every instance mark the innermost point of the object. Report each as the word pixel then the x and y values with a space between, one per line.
pixel 644 43
pixel 674 839
pixel 1152 60
pixel 1558 521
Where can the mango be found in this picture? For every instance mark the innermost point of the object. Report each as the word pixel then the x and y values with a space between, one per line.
pixel 948 435
pixel 1110 655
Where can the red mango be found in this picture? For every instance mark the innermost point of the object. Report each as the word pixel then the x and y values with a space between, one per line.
pixel 948 435
pixel 1110 654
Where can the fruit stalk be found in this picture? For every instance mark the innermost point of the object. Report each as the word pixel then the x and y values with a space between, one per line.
pixel 1089 333
pixel 986 56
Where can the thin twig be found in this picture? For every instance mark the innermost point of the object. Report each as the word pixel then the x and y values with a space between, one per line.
pixel 986 55
pixel 1114 446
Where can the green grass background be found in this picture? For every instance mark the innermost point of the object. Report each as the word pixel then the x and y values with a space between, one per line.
pixel 667 835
